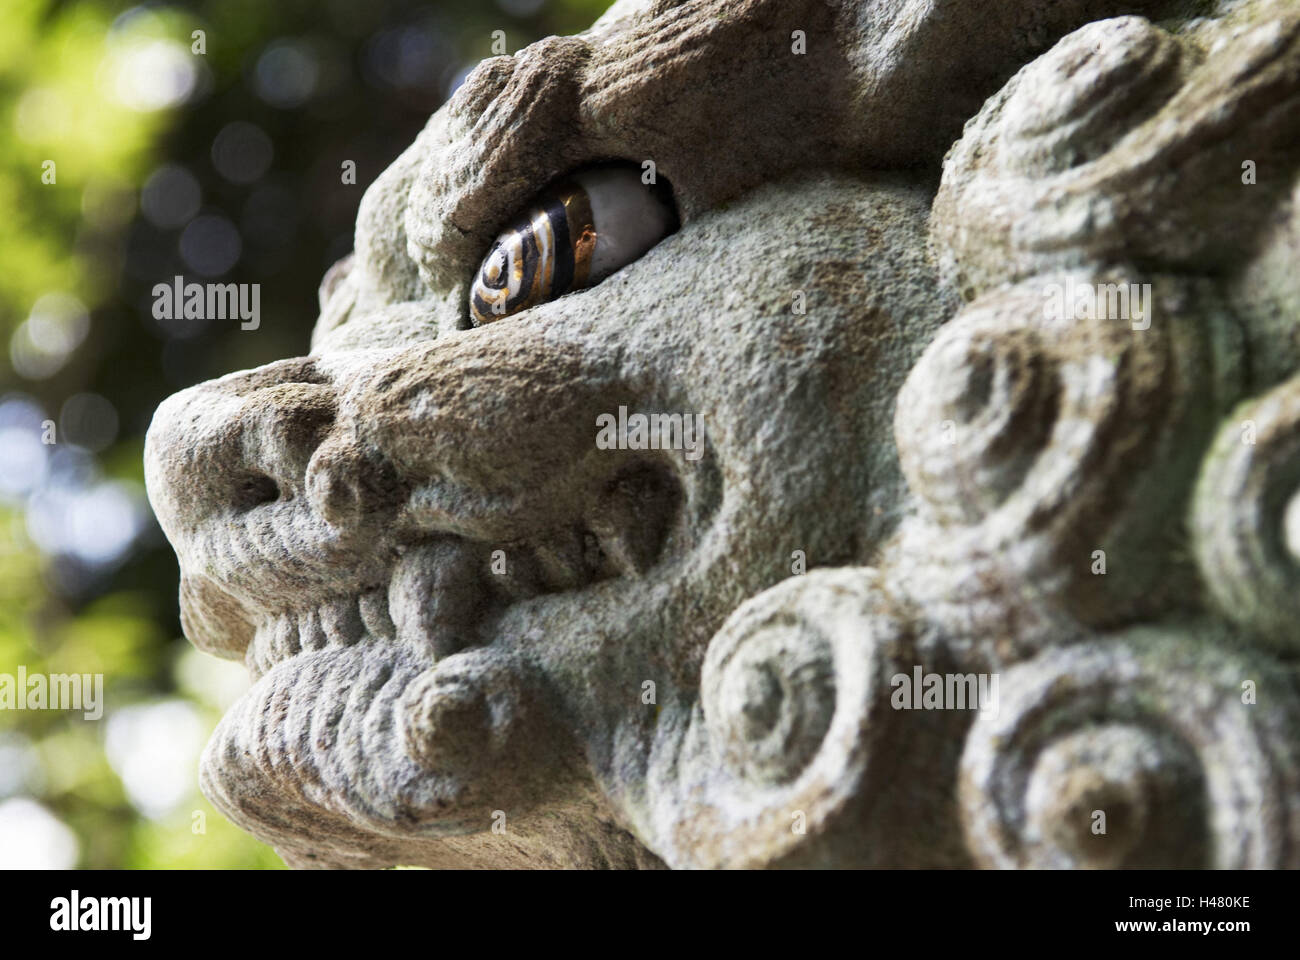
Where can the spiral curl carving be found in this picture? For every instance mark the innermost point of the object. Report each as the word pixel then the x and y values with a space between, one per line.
pixel 1038 447
pixel 1069 165
pixel 791 739
pixel 1245 519
pixel 1143 750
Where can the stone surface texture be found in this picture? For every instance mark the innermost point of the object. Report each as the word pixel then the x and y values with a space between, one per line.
pixel 650 679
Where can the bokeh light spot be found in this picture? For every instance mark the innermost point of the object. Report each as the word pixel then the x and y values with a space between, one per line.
pixel 286 74
pixel 210 245
pixel 155 748
pixel 89 421
pixel 170 197
pixel 44 341
pixel 32 838
pixel 149 75
pixel 242 152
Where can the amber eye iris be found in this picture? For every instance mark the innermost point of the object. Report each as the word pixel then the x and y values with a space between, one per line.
pixel 573 236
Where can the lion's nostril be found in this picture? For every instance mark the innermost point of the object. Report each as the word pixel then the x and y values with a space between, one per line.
pixel 633 520
pixel 254 490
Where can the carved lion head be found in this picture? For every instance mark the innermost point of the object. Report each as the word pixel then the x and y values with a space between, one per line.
pixel 848 445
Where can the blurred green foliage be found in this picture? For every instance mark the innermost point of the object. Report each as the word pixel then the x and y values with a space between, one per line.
pixel 110 93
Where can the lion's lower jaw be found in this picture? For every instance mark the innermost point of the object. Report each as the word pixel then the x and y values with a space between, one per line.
pixel 372 756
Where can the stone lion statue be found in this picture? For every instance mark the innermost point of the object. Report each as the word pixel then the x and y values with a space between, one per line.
pixel 965 529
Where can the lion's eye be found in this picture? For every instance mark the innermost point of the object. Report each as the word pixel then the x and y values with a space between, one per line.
pixel 573 236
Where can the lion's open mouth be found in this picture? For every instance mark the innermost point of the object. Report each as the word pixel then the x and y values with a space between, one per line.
pixel 442 591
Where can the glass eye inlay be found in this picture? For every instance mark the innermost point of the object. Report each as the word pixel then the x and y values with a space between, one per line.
pixel 573 236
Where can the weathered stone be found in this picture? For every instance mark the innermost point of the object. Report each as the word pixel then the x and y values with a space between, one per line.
pixel 482 638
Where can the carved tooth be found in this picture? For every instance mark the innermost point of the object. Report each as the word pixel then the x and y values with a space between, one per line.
pixel 631 522
pixel 561 559
pixel 630 543
pixel 255 657
pixel 373 608
pixel 284 639
pixel 437 596
pixel 311 634
pixel 520 578
pixel 341 621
